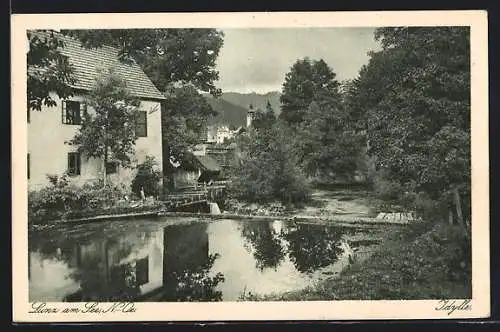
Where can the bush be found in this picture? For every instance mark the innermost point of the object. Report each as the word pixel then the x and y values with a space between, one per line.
pixel 387 190
pixel 268 170
pixel 62 198
pixel 147 177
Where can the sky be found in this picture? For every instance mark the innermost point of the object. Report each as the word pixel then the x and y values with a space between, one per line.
pixel 256 60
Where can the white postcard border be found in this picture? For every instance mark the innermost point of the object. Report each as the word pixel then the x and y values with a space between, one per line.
pixel 226 311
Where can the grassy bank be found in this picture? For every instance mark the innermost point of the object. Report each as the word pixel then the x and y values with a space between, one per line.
pixel 421 261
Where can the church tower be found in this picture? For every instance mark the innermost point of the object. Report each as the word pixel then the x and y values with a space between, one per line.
pixel 250 115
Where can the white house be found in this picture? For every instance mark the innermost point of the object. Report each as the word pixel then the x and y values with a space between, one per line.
pixel 50 128
pixel 219 133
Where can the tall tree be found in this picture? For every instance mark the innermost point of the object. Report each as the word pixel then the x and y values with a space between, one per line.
pixel 48 70
pixel 108 128
pixel 312 106
pixel 307 80
pixel 325 145
pixel 268 169
pixel 264 119
pixel 416 97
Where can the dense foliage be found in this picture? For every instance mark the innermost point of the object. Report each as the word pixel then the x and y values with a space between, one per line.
pixel 62 198
pixel 413 100
pixel 267 168
pixel 312 106
pixel 307 81
pixel 325 144
pixel 264 119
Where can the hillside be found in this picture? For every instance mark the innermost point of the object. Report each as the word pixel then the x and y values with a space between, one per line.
pixel 257 100
pixel 229 113
pixel 232 106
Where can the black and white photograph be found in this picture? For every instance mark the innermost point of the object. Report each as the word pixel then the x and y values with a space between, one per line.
pixel 250 164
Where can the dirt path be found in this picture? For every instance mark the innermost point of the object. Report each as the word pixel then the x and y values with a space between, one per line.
pixel 348 203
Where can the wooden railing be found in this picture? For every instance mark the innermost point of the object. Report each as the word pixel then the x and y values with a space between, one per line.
pixel 203 186
pixel 194 194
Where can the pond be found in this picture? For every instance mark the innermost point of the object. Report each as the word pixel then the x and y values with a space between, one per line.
pixel 181 260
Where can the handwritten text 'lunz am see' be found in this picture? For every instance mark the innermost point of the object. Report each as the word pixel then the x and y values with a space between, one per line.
pixel 89 307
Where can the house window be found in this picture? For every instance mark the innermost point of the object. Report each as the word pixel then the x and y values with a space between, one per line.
pixel 141 129
pixel 74 163
pixel 111 167
pixel 28 165
pixel 72 112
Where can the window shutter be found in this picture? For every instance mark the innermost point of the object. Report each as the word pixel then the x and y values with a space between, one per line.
pixel 63 108
pixel 74 163
pixel 77 115
pixel 70 171
pixel 78 163
pixel 63 111
pixel 83 110
pixel 145 123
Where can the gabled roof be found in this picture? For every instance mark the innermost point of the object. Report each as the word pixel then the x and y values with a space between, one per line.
pixel 192 162
pixel 87 62
pixel 208 163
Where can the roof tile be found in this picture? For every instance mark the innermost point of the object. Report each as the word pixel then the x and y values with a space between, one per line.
pixel 87 63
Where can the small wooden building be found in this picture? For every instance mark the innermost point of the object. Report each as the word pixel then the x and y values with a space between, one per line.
pixel 194 170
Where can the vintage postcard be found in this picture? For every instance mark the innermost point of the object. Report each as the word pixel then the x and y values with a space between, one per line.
pixel 250 166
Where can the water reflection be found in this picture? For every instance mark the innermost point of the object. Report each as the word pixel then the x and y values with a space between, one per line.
pixel 311 247
pixel 146 260
pixel 173 260
pixel 187 265
pixel 117 269
pixel 264 243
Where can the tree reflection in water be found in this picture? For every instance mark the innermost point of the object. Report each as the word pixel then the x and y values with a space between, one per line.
pixel 311 247
pixel 187 265
pixel 195 284
pixel 264 243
